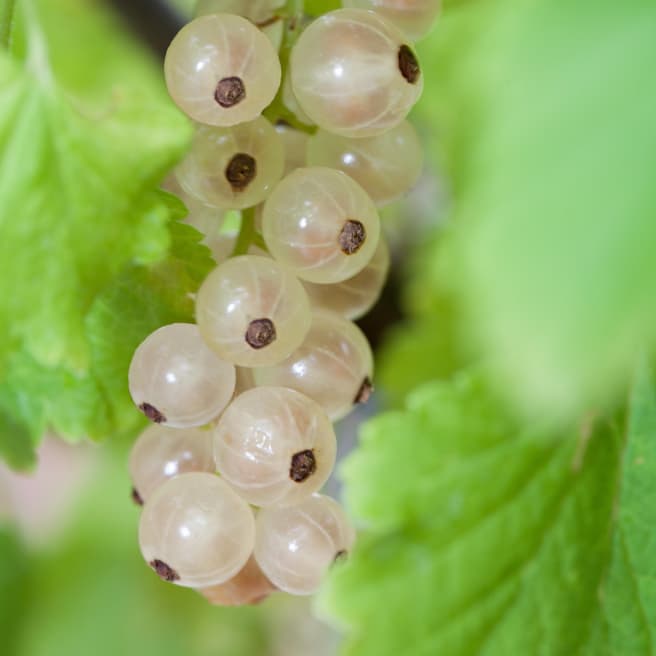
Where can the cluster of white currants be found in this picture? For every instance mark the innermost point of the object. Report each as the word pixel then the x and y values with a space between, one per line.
pixel 251 389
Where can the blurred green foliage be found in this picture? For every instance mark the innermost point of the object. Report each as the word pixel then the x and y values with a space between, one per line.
pixel 486 530
pixel 543 116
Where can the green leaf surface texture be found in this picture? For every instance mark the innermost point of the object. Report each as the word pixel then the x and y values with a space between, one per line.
pixel 87 133
pixel 484 537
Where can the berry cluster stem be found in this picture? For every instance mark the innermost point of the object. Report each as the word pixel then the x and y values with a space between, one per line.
pixel 277 111
pixel 248 235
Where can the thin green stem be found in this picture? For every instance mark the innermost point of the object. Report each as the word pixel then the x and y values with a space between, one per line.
pixel 247 233
pixel 6 21
pixel 277 110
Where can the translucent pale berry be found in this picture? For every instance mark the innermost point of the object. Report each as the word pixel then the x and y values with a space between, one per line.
pixel 252 312
pixel 333 366
pixel 248 586
pixel 260 12
pixel 233 167
pixel 295 146
pixel 295 546
pixel 385 166
pixel 290 101
pixel 354 297
pixel 195 531
pixel 414 18
pixel 175 379
pixel 354 74
pixel 221 70
pixel 321 224
pixel 203 217
pixel 161 453
pixel 274 446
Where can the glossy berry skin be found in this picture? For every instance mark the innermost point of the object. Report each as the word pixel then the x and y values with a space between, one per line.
pixel 274 446
pixel 295 546
pixel 295 144
pixel 235 167
pixel 221 70
pixel 252 312
pixel 386 166
pixel 161 453
pixel 354 297
pixel 248 587
pixel 259 12
pixel 175 379
pixel 414 18
pixel 195 531
pixel 321 224
pixel 353 73
pixel 333 366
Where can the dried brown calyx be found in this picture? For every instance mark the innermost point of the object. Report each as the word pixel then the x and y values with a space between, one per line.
pixel 164 571
pixel 260 333
pixel 365 391
pixel 152 413
pixel 304 464
pixel 352 236
pixel 408 64
pixel 136 497
pixel 240 171
pixel 230 91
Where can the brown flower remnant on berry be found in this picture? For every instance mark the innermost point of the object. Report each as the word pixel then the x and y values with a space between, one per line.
pixel 408 64
pixel 340 556
pixel 365 391
pixel 351 237
pixel 136 497
pixel 152 413
pixel 260 333
pixel 240 171
pixel 303 466
pixel 230 91
pixel 164 571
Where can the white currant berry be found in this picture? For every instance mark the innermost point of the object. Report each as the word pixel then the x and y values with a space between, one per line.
pixel 295 546
pixel 235 167
pixel 248 586
pixel 221 70
pixel 354 297
pixel 195 531
pixel 414 18
pixel 295 145
pixel 262 13
pixel 175 379
pixel 290 101
pixel 354 74
pixel 386 166
pixel 274 446
pixel 252 312
pixel 161 453
pixel 333 366
pixel 321 224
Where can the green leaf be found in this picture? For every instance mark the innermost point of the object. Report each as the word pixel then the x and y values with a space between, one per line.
pixel 139 301
pixel 72 215
pixel 485 537
pixel 87 133
pixel 554 194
